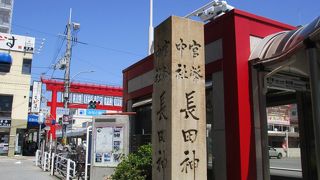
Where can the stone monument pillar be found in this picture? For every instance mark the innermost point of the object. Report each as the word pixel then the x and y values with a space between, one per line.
pixel 178 109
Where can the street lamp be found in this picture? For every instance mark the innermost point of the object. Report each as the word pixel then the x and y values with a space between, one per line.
pixel 81 72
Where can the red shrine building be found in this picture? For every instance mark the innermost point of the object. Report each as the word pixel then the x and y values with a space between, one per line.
pixel 241 83
pixel 108 100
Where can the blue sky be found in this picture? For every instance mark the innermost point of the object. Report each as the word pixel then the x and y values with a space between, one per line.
pixel 116 32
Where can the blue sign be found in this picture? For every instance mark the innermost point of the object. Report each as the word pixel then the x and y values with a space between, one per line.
pixel 32 118
pixel 82 112
pixel 94 112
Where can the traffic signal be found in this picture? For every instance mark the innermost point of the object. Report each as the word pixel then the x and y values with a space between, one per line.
pixel 60 120
pixel 92 105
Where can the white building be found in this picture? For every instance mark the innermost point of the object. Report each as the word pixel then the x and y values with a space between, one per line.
pixel 16 53
pixel 6 8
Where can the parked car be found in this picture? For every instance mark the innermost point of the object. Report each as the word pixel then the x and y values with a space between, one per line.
pixel 274 153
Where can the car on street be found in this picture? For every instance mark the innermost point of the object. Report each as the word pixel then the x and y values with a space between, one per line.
pixel 274 153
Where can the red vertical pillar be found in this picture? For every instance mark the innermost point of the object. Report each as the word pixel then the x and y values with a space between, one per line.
pixel 246 129
pixel 231 102
pixel 125 92
pixel 53 110
pixel 240 144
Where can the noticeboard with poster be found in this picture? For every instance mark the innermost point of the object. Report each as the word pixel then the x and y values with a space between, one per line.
pixel 108 145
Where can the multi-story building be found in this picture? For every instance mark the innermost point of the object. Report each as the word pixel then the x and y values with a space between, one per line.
pixel 283 121
pixel 16 53
pixel 6 8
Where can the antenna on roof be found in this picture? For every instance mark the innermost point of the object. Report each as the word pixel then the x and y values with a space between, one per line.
pixel 150 45
pixel 211 10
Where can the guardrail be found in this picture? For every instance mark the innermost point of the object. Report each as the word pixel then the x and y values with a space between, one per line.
pixel 46 161
pixel 64 166
pixel 38 159
pixel 87 153
pixel 43 160
pixel 56 163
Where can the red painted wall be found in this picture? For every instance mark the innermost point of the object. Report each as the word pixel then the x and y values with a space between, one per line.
pixel 239 122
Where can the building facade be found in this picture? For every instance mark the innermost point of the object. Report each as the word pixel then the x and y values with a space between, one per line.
pixel 231 131
pixel 16 53
pixel 6 9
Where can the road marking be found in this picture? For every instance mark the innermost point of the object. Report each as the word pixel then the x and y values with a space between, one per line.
pixel 18 162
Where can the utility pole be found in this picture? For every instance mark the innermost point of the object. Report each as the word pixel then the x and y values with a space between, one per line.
pixel 67 78
pixel 287 142
pixel 64 64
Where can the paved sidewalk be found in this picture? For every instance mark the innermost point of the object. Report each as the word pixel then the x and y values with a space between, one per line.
pixel 22 167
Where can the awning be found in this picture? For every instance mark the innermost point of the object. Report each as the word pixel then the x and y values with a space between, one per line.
pixel 5 62
pixel 280 46
pixel 141 103
pixel 5 58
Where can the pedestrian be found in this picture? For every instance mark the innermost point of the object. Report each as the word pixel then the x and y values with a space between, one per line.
pixel 285 148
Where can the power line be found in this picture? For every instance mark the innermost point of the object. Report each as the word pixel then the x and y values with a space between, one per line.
pixel 98 67
pixel 21 75
pixel 59 48
pixel 31 66
pixel 97 82
pixel 55 55
pixel 16 70
pixel 83 42
pixel 111 49
pixel 35 30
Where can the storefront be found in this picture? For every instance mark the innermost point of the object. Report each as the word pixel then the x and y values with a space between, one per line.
pixel 5 124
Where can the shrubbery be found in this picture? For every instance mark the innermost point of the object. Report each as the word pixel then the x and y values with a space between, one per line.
pixel 135 166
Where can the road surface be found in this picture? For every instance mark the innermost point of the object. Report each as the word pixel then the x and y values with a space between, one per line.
pixel 20 167
pixel 286 167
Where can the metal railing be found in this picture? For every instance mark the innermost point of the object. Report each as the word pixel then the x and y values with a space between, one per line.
pixel 87 153
pixel 56 163
pixel 46 161
pixel 64 166
pixel 38 159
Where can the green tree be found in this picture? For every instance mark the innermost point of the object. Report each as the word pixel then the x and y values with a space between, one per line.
pixel 135 166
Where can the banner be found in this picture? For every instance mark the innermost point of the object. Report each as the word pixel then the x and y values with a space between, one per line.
pixel 36 97
pixel 16 42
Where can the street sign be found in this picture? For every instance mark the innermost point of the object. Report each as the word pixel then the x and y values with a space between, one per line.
pixel 44 110
pixel 90 112
pixel 33 118
pixel 5 122
pixel 94 112
pixel 67 119
pixel 62 111
pixel 41 118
